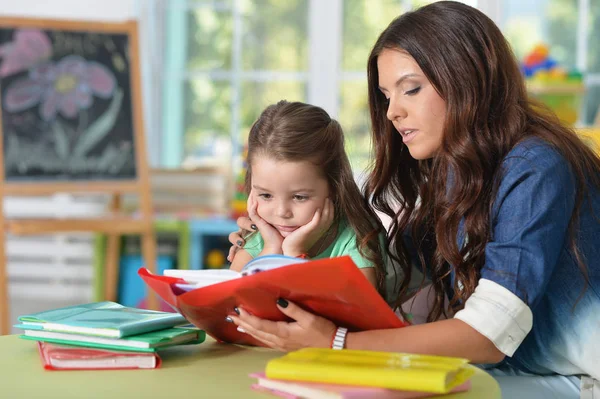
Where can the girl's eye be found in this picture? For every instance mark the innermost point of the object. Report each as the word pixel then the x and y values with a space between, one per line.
pixel 265 196
pixel 413 91
pixel 300 197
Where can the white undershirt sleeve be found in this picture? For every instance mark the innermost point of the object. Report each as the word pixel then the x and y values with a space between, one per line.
pixel 498 314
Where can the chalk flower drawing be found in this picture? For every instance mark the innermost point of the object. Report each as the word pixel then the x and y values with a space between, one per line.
pixel 63 87
pixel 28 48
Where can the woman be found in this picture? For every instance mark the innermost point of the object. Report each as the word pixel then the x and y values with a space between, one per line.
pixel 501 203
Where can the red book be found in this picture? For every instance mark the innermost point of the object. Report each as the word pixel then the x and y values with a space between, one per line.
pixel 64 357
pixel 313 390
pixel 333 288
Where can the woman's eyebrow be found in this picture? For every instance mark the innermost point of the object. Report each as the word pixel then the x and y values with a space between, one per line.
pixel 400 80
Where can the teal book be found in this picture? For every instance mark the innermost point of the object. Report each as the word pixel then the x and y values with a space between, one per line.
pixel 146 342
pixel 103 319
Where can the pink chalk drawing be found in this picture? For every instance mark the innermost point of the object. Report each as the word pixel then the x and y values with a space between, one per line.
pixel 28 48
pixel 64 87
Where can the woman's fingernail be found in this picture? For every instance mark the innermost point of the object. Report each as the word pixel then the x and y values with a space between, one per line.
pixel 282 302
pixel 236 310
pixel 253 227
pixel 240 329
pixel 229 319
pixel 239 243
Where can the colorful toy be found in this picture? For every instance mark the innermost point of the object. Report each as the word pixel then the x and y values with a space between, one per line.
pixel 559 89
pixel 238 203
pixel 215 259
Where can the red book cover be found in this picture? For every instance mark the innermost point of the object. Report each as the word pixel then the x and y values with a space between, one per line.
pixel 64 357
pixel 333 288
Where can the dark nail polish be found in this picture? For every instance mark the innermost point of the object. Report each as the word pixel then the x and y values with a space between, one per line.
pixel 229 319
pixel 282 302
pixel 253 227
pixel 236 310
pixel 239 243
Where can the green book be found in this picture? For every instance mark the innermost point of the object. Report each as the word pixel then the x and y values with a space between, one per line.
pixel 103 319
pixel 147 342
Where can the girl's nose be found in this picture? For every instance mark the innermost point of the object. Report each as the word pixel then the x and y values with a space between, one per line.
pixel 284 210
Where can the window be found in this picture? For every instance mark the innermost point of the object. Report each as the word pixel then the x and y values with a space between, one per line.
pixel 225 60
pixel 569 28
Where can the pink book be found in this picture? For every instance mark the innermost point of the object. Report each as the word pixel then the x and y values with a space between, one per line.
pixel 310 390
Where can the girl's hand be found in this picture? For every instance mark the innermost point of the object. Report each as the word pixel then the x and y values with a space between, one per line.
pixel 304 238
pixel 307 331
pixel 269 234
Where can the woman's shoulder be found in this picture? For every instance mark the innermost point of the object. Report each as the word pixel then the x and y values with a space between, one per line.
pixel 534 149
pixel 534 156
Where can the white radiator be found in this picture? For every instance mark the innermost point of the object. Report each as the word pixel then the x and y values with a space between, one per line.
pixel 53 267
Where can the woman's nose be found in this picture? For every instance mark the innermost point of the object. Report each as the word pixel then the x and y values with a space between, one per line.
pixel 395 110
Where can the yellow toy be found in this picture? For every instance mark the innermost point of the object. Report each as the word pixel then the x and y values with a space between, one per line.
pixel 215 259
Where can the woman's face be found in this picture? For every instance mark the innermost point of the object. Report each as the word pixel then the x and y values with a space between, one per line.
pixel 415 108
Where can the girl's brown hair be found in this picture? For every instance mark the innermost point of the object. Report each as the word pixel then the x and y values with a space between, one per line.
pixel 295 131
pixel 468 61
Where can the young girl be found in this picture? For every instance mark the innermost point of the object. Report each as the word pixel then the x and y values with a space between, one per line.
pixel 500 202
pixel 303 199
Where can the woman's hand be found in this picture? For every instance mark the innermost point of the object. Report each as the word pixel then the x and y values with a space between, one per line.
pixel 304 238
pixel 236 239
pixel 307 331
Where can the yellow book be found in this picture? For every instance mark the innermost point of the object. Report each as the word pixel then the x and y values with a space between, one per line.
pixel 410 372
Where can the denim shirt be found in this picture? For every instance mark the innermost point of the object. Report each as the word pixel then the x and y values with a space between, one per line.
pixel 531 277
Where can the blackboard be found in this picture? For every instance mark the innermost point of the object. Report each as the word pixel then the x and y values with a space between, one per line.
pixel 66 104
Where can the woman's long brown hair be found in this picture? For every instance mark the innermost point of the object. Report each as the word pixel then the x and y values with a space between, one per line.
pixel 295 131
pixel 469 62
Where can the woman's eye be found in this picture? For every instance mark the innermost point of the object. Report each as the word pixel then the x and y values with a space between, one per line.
pixel 300 197
pixel 265 196
pixel 413 91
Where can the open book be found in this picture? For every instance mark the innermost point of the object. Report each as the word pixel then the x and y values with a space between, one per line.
pixel 201 278
pixel 333 288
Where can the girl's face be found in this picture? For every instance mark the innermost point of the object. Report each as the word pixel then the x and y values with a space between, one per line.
pixel 415 108
pixel 288 193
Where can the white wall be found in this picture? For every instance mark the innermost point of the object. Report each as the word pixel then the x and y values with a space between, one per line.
pixel 112 10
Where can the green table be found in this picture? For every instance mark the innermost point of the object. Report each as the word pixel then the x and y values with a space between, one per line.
pixel 208 370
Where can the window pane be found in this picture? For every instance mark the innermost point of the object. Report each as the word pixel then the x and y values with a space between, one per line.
pixel 552 22
pixel 255 96
pixel 210 34
pixel 363 21
pixel 207 120
pixel 594 46
pixel 592 102
pixel 354 118
pixel 275 35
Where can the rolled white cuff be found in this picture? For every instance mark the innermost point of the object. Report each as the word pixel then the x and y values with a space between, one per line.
pixel 498 314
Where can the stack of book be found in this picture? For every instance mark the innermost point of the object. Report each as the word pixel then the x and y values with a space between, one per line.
pixel 105 335
pixel 315 373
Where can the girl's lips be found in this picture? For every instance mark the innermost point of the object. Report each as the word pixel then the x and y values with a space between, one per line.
pixel 288 229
